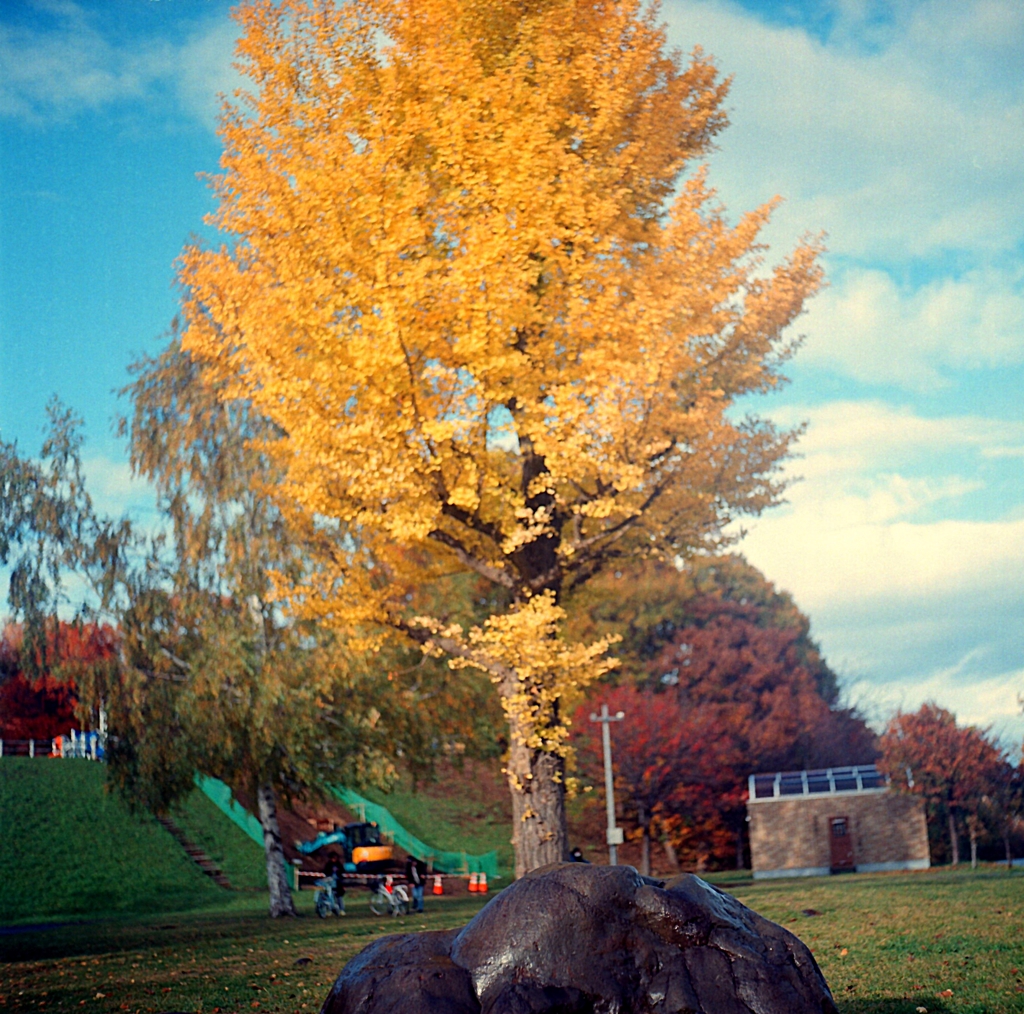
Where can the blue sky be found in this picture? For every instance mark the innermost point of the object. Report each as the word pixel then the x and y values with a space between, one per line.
pixel 898 129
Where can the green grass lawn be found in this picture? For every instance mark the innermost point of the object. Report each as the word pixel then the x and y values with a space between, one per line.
pixel 68 848
pixel 895 942
pixel 233 960
pixel 887 943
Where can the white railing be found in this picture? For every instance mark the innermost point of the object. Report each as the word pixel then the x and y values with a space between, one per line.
pixel 822 782
pixel 83 745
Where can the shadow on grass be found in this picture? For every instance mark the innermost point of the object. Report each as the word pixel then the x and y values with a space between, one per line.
pixel 103 937
pixel 221 931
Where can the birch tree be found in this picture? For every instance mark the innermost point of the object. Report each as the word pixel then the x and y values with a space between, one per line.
pixel 212 677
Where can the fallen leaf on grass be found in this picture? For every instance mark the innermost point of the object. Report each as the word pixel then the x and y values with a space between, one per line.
pixel 843 952
pixel 809 912
pixel 921 1010
pixel 945 994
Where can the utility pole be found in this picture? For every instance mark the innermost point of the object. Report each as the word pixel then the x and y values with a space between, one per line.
pixel 614 833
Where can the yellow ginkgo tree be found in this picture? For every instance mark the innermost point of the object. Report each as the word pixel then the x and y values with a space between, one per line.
pixel 476 278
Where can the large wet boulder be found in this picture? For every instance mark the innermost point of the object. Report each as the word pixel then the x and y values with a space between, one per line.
pixel 579 939
pixel 408 973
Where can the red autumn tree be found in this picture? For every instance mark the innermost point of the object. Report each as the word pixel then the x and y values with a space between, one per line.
pixel 750 684
pixel 741 688
pixel 671 767
pixel 755 679
pixel 955 768
pixel 45 706
pixel 648 602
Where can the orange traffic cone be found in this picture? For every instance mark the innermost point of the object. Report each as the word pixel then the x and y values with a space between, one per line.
pixel 481 884
pixel 473 883
pixel 438 886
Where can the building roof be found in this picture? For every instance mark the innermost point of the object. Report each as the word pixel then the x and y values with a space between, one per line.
pixel 822 782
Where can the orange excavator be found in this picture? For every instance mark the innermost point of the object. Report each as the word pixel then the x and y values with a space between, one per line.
pixel 364 850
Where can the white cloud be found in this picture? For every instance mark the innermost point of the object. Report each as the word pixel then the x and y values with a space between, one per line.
pixel 64 66
pixel 911 597
pixel 55 73
pixel 982 701
pixel 869 437
pixel 852 529
pixel 115 492
pixel 885 146
pixel 206 71
pixel 867 328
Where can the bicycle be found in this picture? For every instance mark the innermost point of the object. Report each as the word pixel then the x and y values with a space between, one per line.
pixel 389 897
pixel 327 900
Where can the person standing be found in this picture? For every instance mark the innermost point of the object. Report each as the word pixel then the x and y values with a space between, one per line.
pixel 333 871
pixel 416 875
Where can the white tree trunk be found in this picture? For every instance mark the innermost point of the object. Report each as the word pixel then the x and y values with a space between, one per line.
pixel 281 902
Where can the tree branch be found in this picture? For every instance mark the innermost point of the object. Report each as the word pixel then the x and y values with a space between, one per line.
pixel 151 674
pixel 580 546
pixel 472 521
pixel 494 574
pixel 421 635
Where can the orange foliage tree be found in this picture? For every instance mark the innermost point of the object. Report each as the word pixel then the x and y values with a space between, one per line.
pixel 953 767
pixel 497 318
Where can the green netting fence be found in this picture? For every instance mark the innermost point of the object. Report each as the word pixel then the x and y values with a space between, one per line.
pixel 220 795
pixel 442 861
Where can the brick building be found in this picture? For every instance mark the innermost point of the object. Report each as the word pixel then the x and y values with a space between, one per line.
pixel 811 823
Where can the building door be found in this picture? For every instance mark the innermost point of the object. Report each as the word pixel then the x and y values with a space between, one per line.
pixel 842 845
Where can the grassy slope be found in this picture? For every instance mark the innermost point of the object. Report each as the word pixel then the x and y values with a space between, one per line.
pixel 465 810
pixel 69 848
pixel 231 848
pixel 907 937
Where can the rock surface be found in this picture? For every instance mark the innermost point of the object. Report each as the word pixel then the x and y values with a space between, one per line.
pixel 580 939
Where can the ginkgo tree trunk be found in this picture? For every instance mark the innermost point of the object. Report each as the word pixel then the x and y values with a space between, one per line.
pixel 475 278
